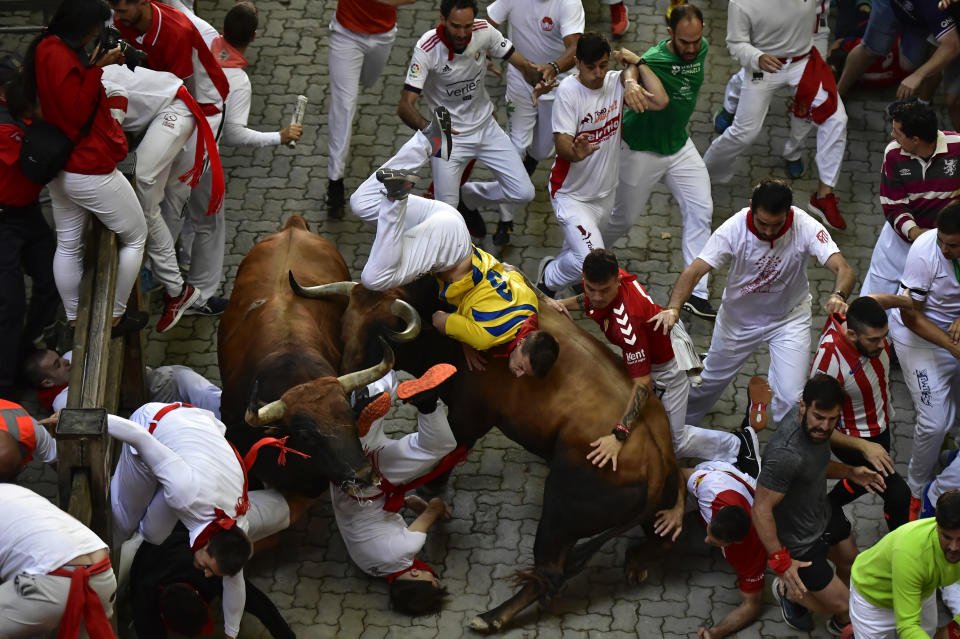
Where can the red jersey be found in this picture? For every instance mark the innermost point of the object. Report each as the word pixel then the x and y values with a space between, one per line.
pixel 867 410
pixel 366 16
pixel 624 322
pixel 68 92
pixel 174 45
pixel 15 189
pixel 717 485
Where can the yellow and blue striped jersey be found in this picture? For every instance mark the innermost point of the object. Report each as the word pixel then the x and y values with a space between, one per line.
pixel 491 304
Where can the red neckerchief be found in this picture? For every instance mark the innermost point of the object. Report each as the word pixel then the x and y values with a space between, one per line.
pixel 226 54
pixel 83 604
pixel 816 74
pixel 419 565
pixel 207 626
pixel 600 314
pixel 781 233
pixel 251 457
pixel 530 325
pixel 47 395
pixel 441 33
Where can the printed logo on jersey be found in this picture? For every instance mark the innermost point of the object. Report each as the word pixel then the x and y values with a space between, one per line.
pixel 445 69
pixel 464 89
pixel 674 69
pixel 169 119
pixel 950 166
pixel 629 338
pixel 16 136
pixel 547 23
pixel 636 357
pixel 769 270
pixel 822 236
pixel 414 69
pixel 609 129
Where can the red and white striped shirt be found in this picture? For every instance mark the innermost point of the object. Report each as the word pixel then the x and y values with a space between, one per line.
pixel 867 410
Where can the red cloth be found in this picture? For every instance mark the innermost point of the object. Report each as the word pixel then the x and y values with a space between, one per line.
pixel 419 565
pixel 816 74
pixel 206 140
pixel 68 92
pixel 366 16
pixel 47 395
pixel 780 233
pixel 227 55
pixel 624 322
pixel 251 457
pixel 170 43
pixel 15 188
pixel 748 558
pixel 396 495
pixel 443 38
pixel 83 603
pixel 530 325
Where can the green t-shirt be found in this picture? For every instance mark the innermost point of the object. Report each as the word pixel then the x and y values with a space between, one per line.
pixel 901 570
pixel 665 132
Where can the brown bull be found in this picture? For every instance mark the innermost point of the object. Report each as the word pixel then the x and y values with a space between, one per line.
pixel 556 417
pixel 279 357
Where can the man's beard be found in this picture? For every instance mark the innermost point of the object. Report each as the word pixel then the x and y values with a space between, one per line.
pixel 803 425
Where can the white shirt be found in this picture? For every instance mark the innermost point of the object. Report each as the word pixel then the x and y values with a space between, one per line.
pixel 766 280
pixel 147 92
pixel 781 28
pixel 537 28
pixel 378 541
pixel 237 111
pixel 705 485
pixel 598 113
pixel 457 82
pixel 36 537
pixel 932 280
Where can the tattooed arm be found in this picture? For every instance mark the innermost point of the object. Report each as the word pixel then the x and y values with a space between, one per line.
pixel 607 448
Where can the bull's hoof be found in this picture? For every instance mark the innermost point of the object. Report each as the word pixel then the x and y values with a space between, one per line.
pixel 636 575
pixel 478 624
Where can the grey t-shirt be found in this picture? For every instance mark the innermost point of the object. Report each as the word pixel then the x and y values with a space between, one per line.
pixel 796 466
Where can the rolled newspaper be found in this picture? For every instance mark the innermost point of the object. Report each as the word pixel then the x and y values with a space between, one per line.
pixel 298 112
pixel 686 354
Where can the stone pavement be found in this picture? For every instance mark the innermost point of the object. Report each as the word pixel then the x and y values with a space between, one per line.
pixel 496 494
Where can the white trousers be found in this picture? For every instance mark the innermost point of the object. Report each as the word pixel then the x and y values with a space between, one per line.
pixel 157 153
pixel 111 198
pixel 731 346
pixel 751 111
pixel 530 127
pixel 581 222
pixel 951 598
pixel 355 58
pixel 886 264
pixel 947 480
pixel 673 388
pixel 933 377
pixel 491 146
pixel 414 236
pixel 686 176
pixel 879 623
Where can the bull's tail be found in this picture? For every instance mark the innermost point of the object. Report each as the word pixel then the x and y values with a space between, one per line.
pixel 295 221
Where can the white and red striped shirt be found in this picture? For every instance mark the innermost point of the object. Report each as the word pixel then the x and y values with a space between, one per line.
pixel 867 410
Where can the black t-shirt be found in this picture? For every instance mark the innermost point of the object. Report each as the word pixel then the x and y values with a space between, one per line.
pixel 171 562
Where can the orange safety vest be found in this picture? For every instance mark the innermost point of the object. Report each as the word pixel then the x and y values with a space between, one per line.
pixel 17 421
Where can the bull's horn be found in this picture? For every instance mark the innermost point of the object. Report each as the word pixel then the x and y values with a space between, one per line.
pixel 272 412
pixel 408 313
pixel 321 291
pixel 352 381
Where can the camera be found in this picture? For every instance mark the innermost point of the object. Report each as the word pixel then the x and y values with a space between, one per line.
pixel 110 38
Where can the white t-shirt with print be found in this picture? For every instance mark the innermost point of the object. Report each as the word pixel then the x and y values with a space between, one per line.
pixel 455 80
pixel 933 280
pixel 598 113
pixel 766 280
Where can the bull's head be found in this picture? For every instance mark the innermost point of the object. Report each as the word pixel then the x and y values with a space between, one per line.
pixel 398 319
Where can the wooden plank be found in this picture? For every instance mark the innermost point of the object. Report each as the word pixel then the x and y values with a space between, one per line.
pixel 80 501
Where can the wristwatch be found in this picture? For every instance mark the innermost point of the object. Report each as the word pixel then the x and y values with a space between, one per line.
pixel 621 432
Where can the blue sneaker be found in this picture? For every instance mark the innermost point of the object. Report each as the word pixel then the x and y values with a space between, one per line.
pixel 722 120
pixel 211 308
pixel 794 615
pixel 927 509
pixel 794 168
pixel 148 283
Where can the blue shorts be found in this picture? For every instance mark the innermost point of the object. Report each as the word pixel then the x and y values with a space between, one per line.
pixel 882 30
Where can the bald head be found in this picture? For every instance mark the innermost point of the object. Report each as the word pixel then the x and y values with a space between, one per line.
pixel 11 457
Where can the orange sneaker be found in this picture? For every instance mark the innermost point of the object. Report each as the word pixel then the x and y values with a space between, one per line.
pixel 915 505
pixel 372 412
pixel 435 375
pixel 760 394
pixel 618 19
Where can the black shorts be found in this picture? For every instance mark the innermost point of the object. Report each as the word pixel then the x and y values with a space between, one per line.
pixel 819 573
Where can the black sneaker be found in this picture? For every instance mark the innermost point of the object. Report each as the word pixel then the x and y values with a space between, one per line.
pixel 397 182
pixel 794 615
pixel 541 283
pixel 439 133
pixel 748 459
pixel 503 233
pixel 530 164
pixel 475 223
pixel 335 200
pixel 211 308
pixel 700 307
pixel 130 322
pixel 834 627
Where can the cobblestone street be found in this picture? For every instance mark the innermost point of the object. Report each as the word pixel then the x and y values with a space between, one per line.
pixel 496 494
